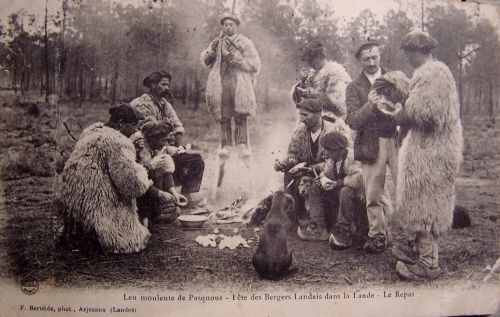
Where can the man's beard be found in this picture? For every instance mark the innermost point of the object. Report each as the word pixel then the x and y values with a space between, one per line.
pixel 165 93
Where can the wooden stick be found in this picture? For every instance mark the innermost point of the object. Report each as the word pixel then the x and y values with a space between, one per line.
pixel 348 280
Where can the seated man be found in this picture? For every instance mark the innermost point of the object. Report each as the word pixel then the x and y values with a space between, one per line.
pixel 161 167
pixel 344 181
pixel 100 183
pixel 305 153
pixel 154 105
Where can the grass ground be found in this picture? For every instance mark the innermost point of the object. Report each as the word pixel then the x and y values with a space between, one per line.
pixel 30 156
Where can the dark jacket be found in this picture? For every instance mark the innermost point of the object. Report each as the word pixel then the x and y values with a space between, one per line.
pixel 369 123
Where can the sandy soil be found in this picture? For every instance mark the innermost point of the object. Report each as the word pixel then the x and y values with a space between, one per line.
pixel 173 260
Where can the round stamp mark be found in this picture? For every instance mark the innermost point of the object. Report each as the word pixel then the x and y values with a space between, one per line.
pixel 29 285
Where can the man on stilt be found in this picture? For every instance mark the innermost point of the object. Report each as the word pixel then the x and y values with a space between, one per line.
pixel 234 64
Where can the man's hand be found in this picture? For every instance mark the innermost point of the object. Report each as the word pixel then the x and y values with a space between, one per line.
pixel 390 109
pixel 304 73
pixel 165 196
pixel 310 93
pixel 236 60
pixel 163 162
pixel 279 166
pixel 215 44
pixel 139 144
pixel 138 140
pixel 178 138
pixel 180 200
pixel 325 182
pixel 373 98
pixel 299 167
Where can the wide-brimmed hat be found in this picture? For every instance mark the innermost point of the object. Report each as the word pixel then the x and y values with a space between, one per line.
pixel 230 16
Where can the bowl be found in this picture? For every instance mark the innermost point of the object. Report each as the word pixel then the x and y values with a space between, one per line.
pixel 192 221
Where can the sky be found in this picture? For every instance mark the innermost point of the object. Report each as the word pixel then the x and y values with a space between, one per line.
pixel 344 10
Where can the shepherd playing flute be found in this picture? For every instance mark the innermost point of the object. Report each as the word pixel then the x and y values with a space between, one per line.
pixel 234 64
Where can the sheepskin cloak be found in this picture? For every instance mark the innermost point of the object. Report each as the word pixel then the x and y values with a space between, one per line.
pixel 100 183
pixel 246 76
pixel 299 148
pixel 431 152
pixel 163 111
pixel 331 80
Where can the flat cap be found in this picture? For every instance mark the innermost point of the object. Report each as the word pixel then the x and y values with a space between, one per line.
pixel 394 81
pixel 364 46
pixel 418 41
pixel 333 141
pixel 125 112
pixel 230 16
pixel 310 105
pixel 312 50
pixel 155 78
pixel 155 128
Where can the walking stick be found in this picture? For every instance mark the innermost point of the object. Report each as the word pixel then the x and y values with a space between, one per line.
pixel 248 163
pixel 218 175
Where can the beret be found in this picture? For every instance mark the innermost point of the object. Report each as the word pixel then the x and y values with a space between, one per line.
pixel 155 128
pixel 363 46
pixel 417 41
pixel 312 50
pixel 396 80
pixel 310 105
pixel 230 16
pixel 125 112
pixel 155 78
pixel 333 141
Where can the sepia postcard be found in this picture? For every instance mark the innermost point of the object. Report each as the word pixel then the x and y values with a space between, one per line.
pixel 249 157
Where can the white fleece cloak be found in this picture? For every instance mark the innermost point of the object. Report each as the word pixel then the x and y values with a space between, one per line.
pixel 331 80
pixel 431 153
pixel 99 186
pixel 246 75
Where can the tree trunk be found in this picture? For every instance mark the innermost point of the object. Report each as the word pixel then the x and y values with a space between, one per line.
pixel 460 82
pixel 480 99
pixel 184 90
pixel 14 76
pixel 23 78
pixel 267 101
pixel 42 86
pixel 197 91
pixel 490 102
pixel 46 40
pixel 137 81
pixel 115 79
pixel 81 92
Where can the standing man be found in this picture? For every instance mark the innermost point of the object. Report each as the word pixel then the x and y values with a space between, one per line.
pixel 234 64
pixel 154 106
pixel 323 79
pixel 375 143
pixel 429 158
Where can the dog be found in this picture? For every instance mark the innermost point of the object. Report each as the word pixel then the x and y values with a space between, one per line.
pixel 306 182
pixel 273 255
pixel 461 218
